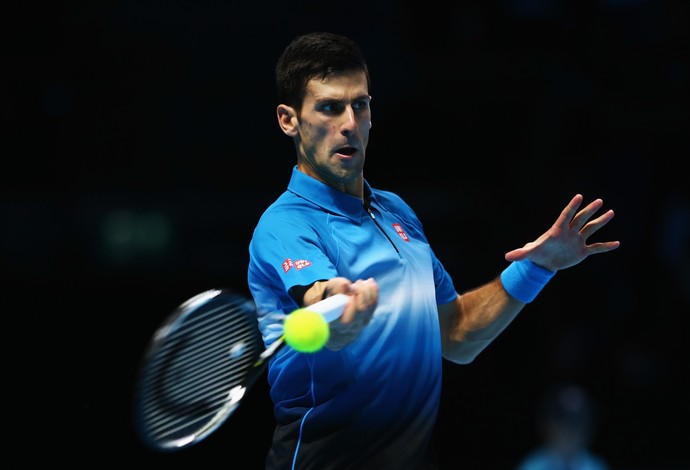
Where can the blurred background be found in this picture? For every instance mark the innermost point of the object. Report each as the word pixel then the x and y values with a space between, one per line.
pixel 140 146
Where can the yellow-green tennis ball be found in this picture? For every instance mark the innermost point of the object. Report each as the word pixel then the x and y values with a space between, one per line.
pixel 306 331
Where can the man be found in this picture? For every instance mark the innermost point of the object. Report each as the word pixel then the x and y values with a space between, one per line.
pixel 370 398
pixel 566 423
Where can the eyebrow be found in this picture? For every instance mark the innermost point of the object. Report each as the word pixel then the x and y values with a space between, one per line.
pixel 321 98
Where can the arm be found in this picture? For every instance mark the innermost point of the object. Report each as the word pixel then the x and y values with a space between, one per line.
pixel 471 322
pixel 476 318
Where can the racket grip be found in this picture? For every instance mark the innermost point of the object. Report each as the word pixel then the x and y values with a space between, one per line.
pixel 332 307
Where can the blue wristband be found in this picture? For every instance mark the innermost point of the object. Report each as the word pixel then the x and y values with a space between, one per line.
pixel 524 279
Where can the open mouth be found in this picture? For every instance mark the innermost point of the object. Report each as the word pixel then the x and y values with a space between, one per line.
pixel 349 151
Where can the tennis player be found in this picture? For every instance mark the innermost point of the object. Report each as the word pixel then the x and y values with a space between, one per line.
pixel 370 398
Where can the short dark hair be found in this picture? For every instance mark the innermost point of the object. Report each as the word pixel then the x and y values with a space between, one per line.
pixel 311 55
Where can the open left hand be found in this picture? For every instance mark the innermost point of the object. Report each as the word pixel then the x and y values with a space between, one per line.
pixel 565 243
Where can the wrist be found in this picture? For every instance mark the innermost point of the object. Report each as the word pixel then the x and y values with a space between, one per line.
pixel 523 280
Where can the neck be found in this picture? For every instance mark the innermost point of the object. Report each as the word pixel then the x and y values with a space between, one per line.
pixel 353 187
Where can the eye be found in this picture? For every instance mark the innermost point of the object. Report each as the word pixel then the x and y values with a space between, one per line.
pixel 360 105
pixel 332 107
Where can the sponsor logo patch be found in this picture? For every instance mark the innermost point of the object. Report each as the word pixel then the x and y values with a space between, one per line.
pixel 398 228
pixel 297 264
pixel 287 264
pixel 302 263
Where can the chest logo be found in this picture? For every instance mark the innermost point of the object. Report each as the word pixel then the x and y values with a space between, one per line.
pixel 399 230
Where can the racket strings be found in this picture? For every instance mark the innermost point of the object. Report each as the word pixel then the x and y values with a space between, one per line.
pixel 197 370
pixel 195 365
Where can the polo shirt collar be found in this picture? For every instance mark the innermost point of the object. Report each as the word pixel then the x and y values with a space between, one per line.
pixel 327 197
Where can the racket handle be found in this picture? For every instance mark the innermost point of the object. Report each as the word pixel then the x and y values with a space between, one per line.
pixel 332 307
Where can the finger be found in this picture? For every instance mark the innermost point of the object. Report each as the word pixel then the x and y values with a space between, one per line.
pixel 517 254
pixel 366 293
pixel 583 216
pixel 337 285
pixel 602 247
pixel 568 213
pixel 364 296
pixel 594 225
pixel 349 312
pixel 362 285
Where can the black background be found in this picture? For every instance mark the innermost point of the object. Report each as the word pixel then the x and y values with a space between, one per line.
pixel 140 146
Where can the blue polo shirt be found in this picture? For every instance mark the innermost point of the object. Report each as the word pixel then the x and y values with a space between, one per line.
pixel 373 404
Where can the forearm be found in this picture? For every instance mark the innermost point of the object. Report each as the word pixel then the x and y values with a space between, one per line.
pixel 314 294
pixel 475 319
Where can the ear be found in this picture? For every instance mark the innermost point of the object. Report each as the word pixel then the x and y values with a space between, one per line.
pixel 287 119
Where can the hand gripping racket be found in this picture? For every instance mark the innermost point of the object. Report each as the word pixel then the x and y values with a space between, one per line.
pixel 200 363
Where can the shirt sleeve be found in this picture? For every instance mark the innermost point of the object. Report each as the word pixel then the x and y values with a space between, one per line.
pixel 282 255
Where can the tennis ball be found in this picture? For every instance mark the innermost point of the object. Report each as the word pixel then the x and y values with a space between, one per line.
pixel 306 331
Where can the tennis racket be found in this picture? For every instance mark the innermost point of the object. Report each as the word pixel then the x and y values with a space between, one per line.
pixel 200 363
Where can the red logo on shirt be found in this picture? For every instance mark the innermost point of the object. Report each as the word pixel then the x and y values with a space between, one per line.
pixel 298 264
pixel 287 264
pixel 398 228
pixel 302 263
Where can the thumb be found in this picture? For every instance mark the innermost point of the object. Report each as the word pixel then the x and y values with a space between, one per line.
pixel 516 255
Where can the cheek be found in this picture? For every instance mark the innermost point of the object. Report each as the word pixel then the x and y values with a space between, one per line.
pixel 316 134
pixel 365 123
pixel 309 130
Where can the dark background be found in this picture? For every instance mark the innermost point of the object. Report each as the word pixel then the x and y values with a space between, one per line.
pixel 140 146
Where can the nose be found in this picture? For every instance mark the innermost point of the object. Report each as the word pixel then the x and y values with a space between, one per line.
pixel 349 123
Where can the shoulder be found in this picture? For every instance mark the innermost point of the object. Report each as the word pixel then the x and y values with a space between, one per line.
pixel 289 213
pixel 389 198
pixel 598 462
pixel 287 206
pixel 536 460
pixel 393 202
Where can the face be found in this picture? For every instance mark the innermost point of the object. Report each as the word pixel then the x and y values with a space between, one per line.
pixel 332 130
